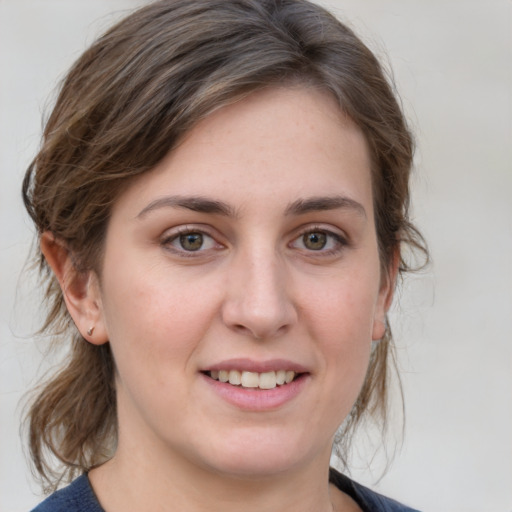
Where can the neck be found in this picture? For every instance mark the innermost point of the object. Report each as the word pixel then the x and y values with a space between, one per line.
pixel 129 482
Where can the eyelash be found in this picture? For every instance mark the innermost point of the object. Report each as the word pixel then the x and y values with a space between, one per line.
pixel 339 241
pixel 167 241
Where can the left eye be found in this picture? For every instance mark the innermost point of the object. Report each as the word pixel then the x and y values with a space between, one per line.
pixel 318 240
pixel 314 241
pixel 191 241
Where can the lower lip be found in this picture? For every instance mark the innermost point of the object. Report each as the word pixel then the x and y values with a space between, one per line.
pixel 254 399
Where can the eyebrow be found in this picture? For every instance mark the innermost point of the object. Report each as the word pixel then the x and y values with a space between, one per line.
pixel 298 207
pixel 313 204
pixel 194 203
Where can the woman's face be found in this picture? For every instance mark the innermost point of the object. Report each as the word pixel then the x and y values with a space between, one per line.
pixel 250 254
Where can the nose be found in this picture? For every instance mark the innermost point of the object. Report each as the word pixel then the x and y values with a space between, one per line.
pixel 258 300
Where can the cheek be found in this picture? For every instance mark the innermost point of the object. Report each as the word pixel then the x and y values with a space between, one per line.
pixel 344 309
pixel 341 318
pixel 155 315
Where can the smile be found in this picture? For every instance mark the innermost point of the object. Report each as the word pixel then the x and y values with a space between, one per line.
pixel 252 380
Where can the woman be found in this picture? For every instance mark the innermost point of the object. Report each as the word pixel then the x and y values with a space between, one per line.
pixel 221 199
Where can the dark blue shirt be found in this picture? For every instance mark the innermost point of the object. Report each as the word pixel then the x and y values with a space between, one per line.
pixel 79 497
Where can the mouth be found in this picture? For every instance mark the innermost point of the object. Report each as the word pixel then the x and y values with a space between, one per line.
pixel 254 380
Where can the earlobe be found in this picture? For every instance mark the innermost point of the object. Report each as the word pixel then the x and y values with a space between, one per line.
pixel 385 298
pixel 80 289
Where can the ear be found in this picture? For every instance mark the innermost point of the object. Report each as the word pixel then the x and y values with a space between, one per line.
pixel 385 298
pixel 81 290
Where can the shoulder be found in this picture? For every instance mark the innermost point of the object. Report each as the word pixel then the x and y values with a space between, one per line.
pixel 368 500
pixel 76 497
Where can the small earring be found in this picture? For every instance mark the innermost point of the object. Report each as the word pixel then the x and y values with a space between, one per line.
pixel 90 331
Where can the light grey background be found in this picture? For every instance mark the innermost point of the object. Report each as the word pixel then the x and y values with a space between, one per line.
pixel 453 65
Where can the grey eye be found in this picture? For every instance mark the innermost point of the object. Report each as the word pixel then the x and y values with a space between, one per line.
pixel 314 241
pixel 191 241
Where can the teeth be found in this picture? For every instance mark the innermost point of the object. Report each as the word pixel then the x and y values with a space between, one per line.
pixel 268 380
pixel 235 378
pixel 265 380
pixel 289 377
pixel 250 380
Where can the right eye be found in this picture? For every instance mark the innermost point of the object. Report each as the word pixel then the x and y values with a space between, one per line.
pixel 189 241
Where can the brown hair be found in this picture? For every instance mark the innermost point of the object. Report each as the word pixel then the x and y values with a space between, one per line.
pixel 125 103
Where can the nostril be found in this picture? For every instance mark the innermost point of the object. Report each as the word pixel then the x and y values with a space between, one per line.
pixel 249 313
pixel 242 329
pixel 259 333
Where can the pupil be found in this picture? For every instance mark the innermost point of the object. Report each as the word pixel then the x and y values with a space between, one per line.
pixel 315 241
pixel 191 241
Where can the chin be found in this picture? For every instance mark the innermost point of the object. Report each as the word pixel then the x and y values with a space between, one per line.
pixel 256 467
pixel 261 454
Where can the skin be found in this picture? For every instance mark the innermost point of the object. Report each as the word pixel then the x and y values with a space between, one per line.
pixel 256 288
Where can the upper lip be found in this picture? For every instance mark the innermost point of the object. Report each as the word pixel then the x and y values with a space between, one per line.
pixel 250 365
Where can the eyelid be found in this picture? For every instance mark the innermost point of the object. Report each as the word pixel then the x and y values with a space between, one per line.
pixel 340 238
pixel 172 234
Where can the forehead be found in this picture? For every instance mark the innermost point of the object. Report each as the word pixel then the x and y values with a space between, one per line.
pixel 273 144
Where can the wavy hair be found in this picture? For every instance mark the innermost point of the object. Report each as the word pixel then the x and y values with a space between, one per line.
pixel 126 102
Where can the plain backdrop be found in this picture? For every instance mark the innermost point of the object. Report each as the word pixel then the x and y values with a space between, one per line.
pixel 452 63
